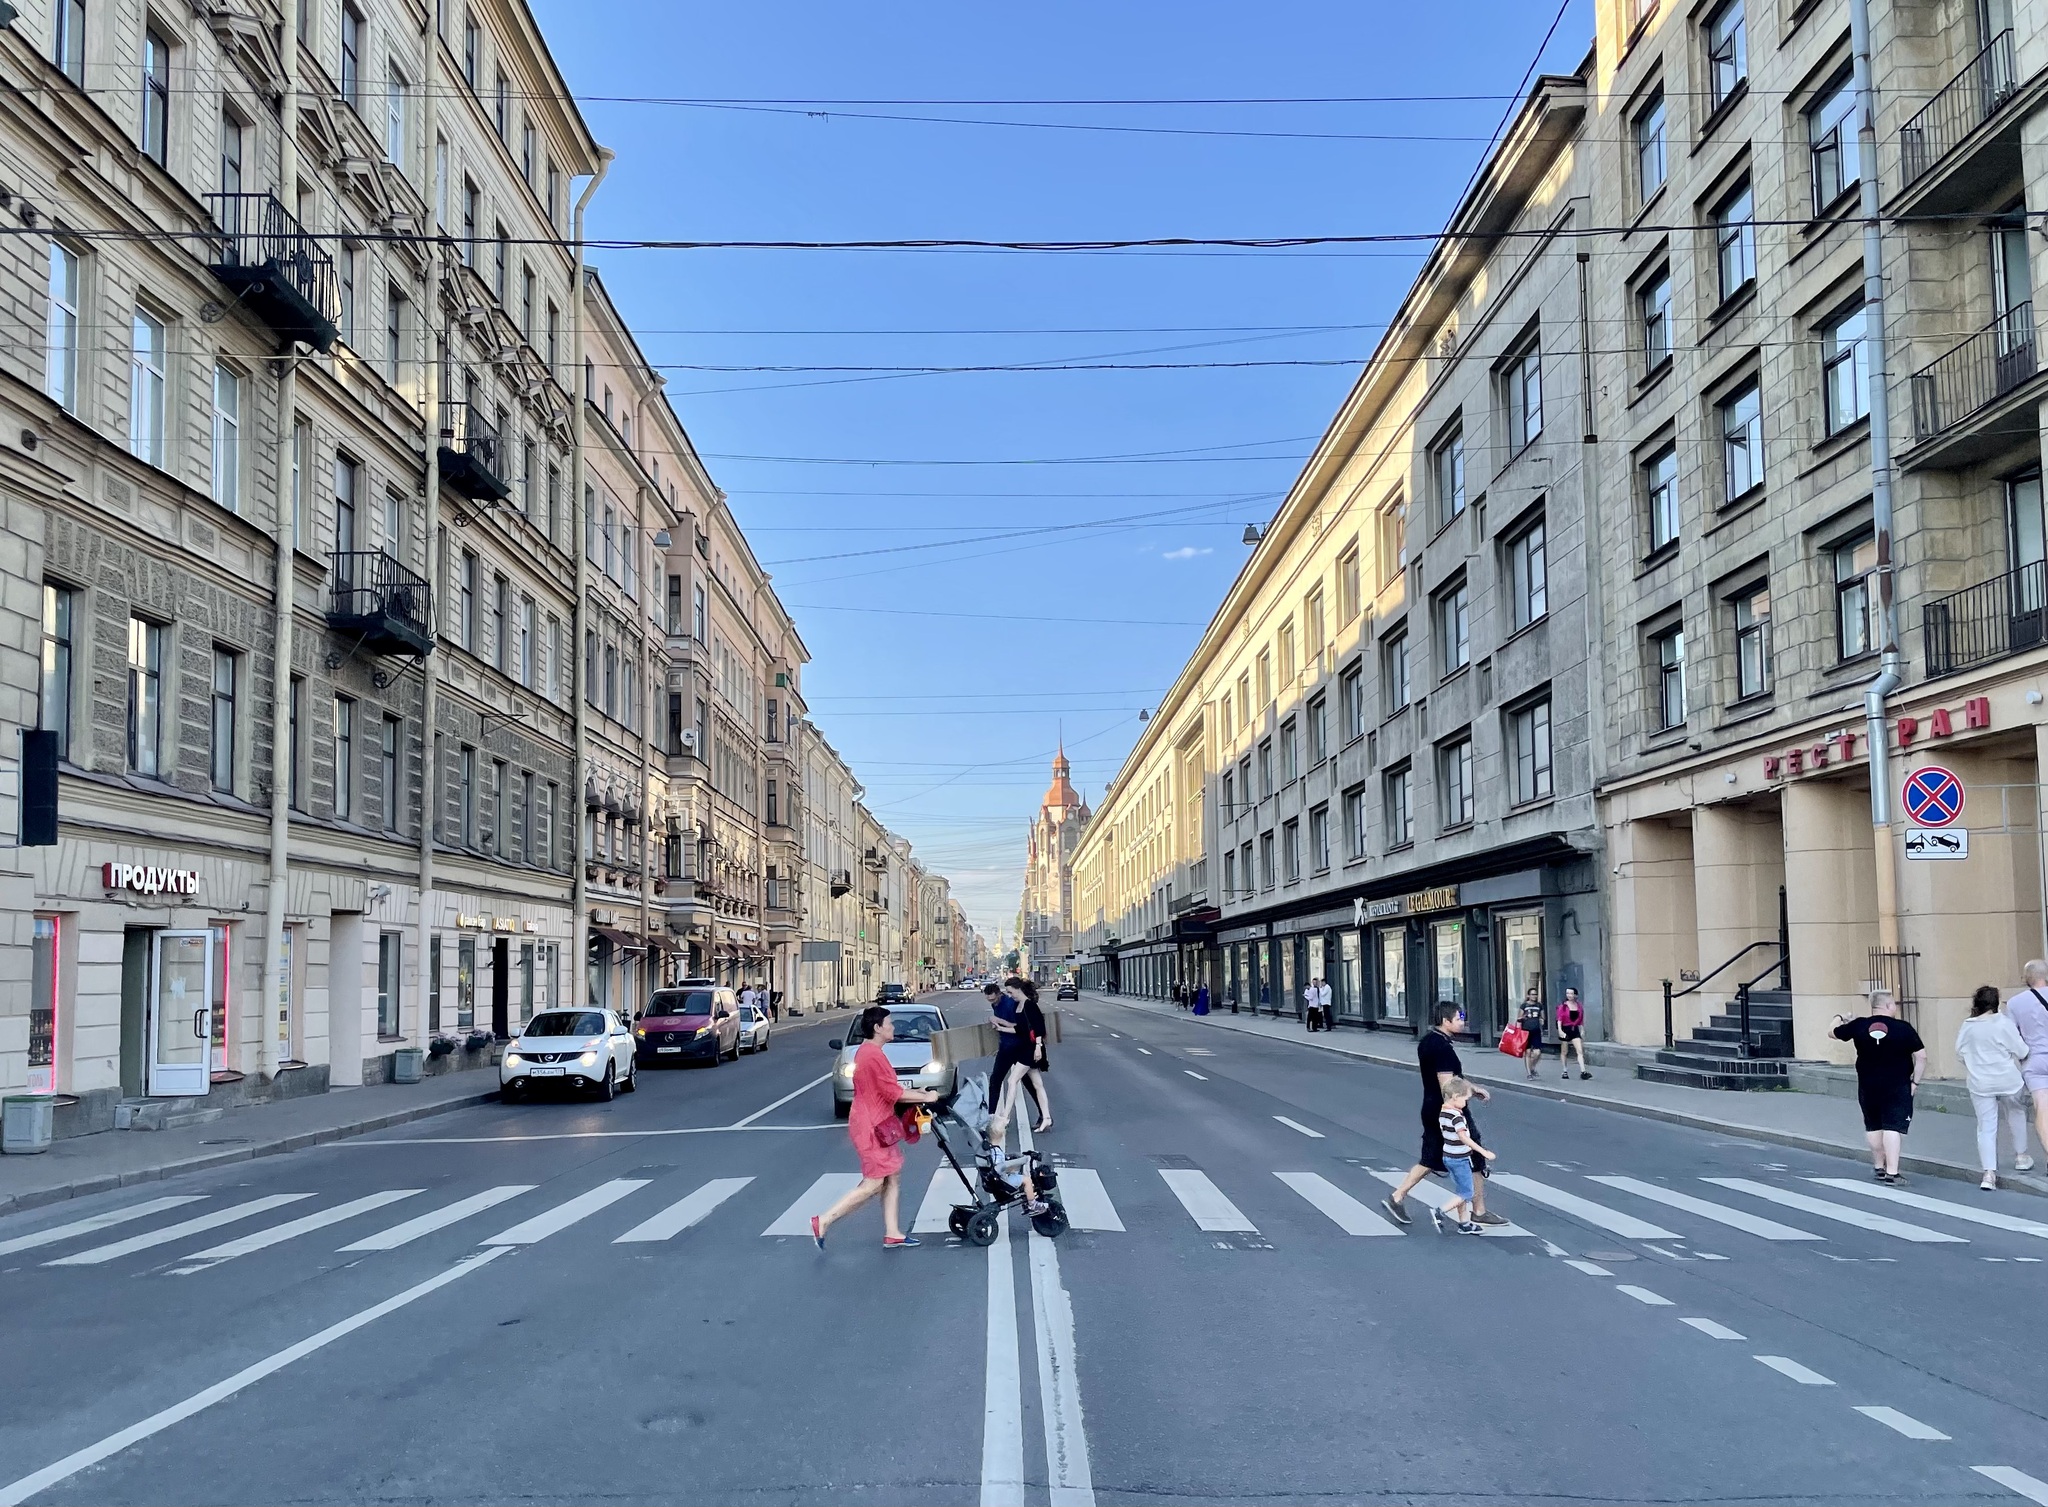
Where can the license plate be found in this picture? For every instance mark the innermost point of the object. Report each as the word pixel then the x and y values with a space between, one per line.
pixel 545 1072
pixel 668 1049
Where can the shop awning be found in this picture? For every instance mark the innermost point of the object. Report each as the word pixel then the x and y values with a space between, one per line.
pixel 625 941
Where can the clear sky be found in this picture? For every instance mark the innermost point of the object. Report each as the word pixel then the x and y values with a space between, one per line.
pixel 946 675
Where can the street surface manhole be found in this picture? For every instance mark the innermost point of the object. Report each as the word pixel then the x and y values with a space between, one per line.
pixel 1173 1159
pixel 1610 1255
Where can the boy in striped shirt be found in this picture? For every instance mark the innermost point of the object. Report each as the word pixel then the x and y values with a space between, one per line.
pixel 1458 1149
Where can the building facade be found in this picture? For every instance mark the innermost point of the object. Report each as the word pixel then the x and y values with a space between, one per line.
pixel 1046 918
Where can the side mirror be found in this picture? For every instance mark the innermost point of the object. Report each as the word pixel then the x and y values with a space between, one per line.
pixel 836 1044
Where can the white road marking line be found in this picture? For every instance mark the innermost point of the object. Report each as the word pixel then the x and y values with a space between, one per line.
pixel 1200 1052
pixel 940 1196
pixel 439 1219
pixel 1438 1197
pixel 1314 1135
pixel 1346 1212
pixel 684 1212
pixel 1551 1248
pixel 1740 1219
pixel 1002 1410
pixel 583 1135
pixel 17 1492
pixel 1069 1476
pixel 1146 1051
pixel 564 1214
pixel 277 1234
pixel 1193 1074
pixel 1588 1268
pixel 1087 1201
pixel 1841 1213
pixel 1204 1201
pixel 219 1217
pixel 1644 1295
pixel 2016 1481
pixel 1903 1423
pixel 1712 1330
pixel 1792 1368
pixel 1114 1034
pixel 1990 1217
pixel 771 1108
pixel 96 1222
pixel 1613 1220
pixel 816 1199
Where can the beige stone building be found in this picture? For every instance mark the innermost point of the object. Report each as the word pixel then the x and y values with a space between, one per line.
pixel 1046 918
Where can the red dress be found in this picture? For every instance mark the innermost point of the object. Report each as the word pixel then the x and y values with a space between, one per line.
pixel 874 1100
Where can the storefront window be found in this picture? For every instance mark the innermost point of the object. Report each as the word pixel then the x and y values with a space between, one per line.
pixel 1289 990
pixel 465 983
pixel 42 1010
pixel 1522 954
pixel 1394 973
pixel 1318 967
pixel 1350 986
pixel 1448 939
pixel 526 981
pixel 434 984
pixel 222 948
pixel 390 951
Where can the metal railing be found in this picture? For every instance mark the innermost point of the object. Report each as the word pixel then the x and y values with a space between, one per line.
pixel 259 233
pixel 1983 369
pixel 2001 616
pixel 466 431
pixel 1781 965
pixel 1897 974
pixel 368 584
pixel 1968 100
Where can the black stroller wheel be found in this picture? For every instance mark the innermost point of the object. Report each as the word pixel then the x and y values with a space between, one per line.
pixel 982 1227
pixel 957 1222
pixel 1052 1223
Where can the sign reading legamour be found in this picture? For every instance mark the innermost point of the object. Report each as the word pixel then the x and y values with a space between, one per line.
pixel 1841 747
pixel 148 879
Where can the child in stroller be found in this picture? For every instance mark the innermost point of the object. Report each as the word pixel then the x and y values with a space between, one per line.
pixel 1001 1179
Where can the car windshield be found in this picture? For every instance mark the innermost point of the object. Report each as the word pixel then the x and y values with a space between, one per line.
pixel 915 1025
pixel 566 1023
pixel 680 1002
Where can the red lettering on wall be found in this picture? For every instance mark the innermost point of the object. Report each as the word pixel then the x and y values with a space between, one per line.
pixel 1977 712
pixel 1939 726
pixel 1846 744
pixel 1819 754
pixel 1773 764
pixel 1909 729
pixel 1795 760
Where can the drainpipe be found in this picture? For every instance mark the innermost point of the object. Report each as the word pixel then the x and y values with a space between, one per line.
pixel 430 530
pixel 579 771
pixel 1890 672
pixel 1596 596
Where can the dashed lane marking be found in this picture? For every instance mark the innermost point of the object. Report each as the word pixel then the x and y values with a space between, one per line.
pixel 1712 1330
pixel 1902 1423
pixel 1784 1366
pixel 1644 1295
pixel 1296 1125
pixel 2017 1481
pixel 1193 1074
pixel 1589 1268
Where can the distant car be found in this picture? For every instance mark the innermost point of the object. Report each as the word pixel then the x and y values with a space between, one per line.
pixel 1066 991
pixel 756 1027
pixel 581 1049
pixel 689 1023
pixel 894 994
pixel 910 1053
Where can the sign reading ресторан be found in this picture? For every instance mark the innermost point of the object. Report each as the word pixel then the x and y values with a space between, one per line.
pixel 148 879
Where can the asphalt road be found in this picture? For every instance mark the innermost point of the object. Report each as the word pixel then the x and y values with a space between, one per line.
pixel 563 1302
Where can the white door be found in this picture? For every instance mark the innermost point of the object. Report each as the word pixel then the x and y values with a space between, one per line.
pixel 180 1012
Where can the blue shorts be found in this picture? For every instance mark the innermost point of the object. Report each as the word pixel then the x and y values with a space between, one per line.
pixel 1460 1169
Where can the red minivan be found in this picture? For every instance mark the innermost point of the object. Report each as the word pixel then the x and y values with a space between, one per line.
pixel 689 1023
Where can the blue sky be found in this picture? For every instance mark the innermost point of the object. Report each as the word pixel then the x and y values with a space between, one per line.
pixel 946 675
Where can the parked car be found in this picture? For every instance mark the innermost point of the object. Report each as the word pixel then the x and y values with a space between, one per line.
pixel 756 1026
pixel 689 1023
pixel 894 994
pixel 910 1053
pixel 1066 991
pixel 580 1049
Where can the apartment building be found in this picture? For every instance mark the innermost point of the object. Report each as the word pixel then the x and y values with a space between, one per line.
pixel 830 951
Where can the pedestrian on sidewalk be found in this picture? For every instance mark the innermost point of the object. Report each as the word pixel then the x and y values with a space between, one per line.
pixel 2029 1011
pixel 1180 995
pixel 1438 1058
pixel 1312 1002
pixel 1531 1021
pixel 1201 1005
pixel 1890 1057
pixel 1459 1148
pixel 1990 1048
pixel 1571 1033
pixel 1324 999
pixel 876 1131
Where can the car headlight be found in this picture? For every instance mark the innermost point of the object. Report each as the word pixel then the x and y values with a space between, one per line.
pixel 639 1030
pixel 846 1070
pixel 588 1059
pixel 704 1030
pixel 935 1066
pixel 511 1059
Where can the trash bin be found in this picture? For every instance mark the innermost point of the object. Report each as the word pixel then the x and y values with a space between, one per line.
pixel 405 1065
pixel 26 1123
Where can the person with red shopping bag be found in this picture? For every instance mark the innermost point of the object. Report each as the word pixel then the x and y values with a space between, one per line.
pixel 1531 1022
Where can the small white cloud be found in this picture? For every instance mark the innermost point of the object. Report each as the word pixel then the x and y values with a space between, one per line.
pixel 1185 552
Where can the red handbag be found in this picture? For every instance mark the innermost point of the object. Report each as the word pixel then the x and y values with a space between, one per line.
pixel 1513 1041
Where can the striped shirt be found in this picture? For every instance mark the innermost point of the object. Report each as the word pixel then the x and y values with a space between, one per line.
pixel 1451 1123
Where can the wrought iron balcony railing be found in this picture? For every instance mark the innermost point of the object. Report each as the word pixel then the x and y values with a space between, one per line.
pixel 1968 100
pixel 375 597
pixel 472 461
pixel 2007 614
pixel 277 271
pixel 1983 369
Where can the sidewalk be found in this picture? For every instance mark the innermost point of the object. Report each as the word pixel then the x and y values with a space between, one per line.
pixel 1941 1144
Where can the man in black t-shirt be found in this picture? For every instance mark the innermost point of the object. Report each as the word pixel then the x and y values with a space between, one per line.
pixel 1890 1057
pixel 1437 1057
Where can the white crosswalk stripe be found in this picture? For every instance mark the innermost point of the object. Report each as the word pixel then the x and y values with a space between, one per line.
pixel 277 1234
pixel 816 1199
pixel 1988 1217
pixel 1087 1201
pixel 1346 1212
pixel 438 1219
pixel 1599 1215
pixel 1841 1213
pixel 101 1254
pixel 562 1215
pixel 940 1198
pixel 684 1212
pixel 1440 1198
pixel 1740 1219
pixel 95 1223
pixel 1205 1202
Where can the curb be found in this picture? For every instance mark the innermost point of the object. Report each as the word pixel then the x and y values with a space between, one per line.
pixel 1927 1167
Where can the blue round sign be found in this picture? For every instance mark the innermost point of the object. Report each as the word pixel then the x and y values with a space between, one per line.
pixel 1933 796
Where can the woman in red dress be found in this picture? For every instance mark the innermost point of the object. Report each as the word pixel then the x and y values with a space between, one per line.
pixel 876 1093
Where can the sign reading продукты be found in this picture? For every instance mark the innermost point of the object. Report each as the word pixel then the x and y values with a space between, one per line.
pixel 1933 796
pixel 148 879
pixel 1937 842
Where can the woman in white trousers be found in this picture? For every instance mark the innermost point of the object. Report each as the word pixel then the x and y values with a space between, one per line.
pixel 1991 1050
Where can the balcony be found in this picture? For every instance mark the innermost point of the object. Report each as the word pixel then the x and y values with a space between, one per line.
pixel 841 882
pixel 876 860
pixel 277 271
pixel 1965 407
pixel 1949 133
pixel 375 598
pixel 1988 621
pixel 471 458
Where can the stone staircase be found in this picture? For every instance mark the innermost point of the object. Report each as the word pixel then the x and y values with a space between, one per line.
pixel 1714 1056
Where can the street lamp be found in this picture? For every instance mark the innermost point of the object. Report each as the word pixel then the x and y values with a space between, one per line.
pixel 1254 532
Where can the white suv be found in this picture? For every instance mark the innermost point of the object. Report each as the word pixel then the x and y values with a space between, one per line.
pixel 587 1049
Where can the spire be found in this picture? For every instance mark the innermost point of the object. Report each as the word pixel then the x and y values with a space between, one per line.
pixel 1060 794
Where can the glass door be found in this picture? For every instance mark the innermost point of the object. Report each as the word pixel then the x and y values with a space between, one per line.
pixel 180 1012
pixel 1522 958
pixel 1350 978
pixel 2028 544
pixel 1447 942
pixel 1394 974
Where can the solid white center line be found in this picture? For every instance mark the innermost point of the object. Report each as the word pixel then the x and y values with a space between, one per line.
pixel 684 1212
pixel 1069 1476
pixel 439 1219
pixel 134 1243
pixel 1712 1330
pixel 291 1229
pixel 1644 1295
pixel 1589 1268
pixel 1792 1368
pixel 1204 1201
pixel 1903 1423
pixel 2018 1481
pixel 1002 1411
pixel 1193 1074
pixel 1841 1213
pixel 1313 1135
pixel 96 1222
pixel 1599 1215
pixel 771 1108
pixel 1349 1215
pixel 562 1215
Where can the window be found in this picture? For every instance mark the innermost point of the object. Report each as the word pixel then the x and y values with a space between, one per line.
pixel 1653 313
pixel 345 259
pixel 1845 368
pixel 395 92
pixel 470 209
pixel 1831 135
pixel 526 152
pixel 53 714
pixel 231 135
pixel 543 849
pixel 1447 475
pixel 394 335
pixel 394 523
pixel 553 197
pixel 501 624
pixel 1394 671
pixel 351 56
pixel 1315 628
pixel 1400 813
pixel 554 336
pixel 523 666
pixel 440 182
pixel 1229 812
pixel 1858 629
pixel 1660 496
pixel 472 52
pixel 60 368
pixel 1735 241
pixel 1742 441
pixel 67 45
pixel 387 771
pixel 1529 740
pixel 146 389
pixel 1351 702
pixel 611 680
pixel 1263 668
pixel 465 796
pixel 698 628
pixel 346 476
pixel 1667 654
pixel 156 97
pixel 294 785
pixel 526 816
pixel 465 603
pixel 1319 840
pixel 1454 629
pixel 1244 701
pixel 1318 715
pixel 1727 53
pixel 1230 874
pixel 1266 785
pixel 1753 642
pixel 344 757
pixel 1290 850
pixel 1393 538
pixel 1285 642
pixel 1649 135
pixel 1522 390
pixel 501 809
pixel 501 270
pixel 526 297
pixel 1354 825
pixel 390 956
pixel 1347 586
pixel 226 675
pixel 1266 860
pixel 145 695
pixel 1454 781
pixel 1528 575
pixel 501 107
pixel 227 437
pixel 1290 753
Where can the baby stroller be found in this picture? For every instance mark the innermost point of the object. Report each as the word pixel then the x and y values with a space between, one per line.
pixel 961 1126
